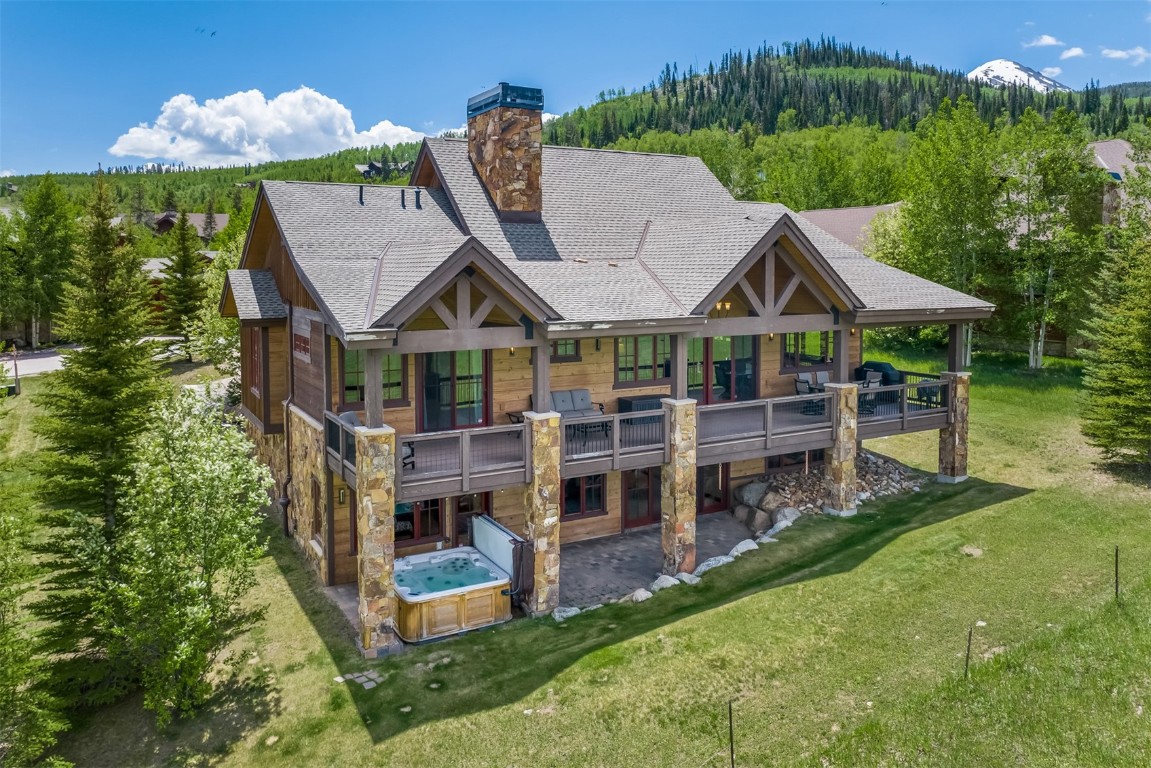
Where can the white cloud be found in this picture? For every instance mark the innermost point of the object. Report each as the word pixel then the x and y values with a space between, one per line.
pixel 6 173
pixel 1052 71
pixel 1043 40
pixel 1137 55
pixel 1029 23
pixel 248 127
pixel 1072 53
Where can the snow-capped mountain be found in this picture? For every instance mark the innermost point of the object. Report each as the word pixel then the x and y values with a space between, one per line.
pixel 1006 72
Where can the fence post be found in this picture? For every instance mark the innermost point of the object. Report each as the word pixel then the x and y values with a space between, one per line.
pixel 903 406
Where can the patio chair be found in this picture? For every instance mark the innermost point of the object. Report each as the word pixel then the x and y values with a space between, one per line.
pixel 822 379
pixel 407 448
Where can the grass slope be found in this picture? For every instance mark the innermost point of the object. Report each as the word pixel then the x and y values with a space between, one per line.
pixel 840 645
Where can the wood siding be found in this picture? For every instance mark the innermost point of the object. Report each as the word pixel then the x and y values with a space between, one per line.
pixel 308 384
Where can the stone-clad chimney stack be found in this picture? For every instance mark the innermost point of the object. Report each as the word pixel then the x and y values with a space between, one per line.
pixel 505 131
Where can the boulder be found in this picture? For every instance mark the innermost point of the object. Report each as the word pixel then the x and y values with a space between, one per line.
pixel 761 522
pixel 744 513
pixel 562 614
pixel 786 515
pixel 640 595
pixel 687 578
pixel 772 501
pixel 663 582
pixel 712 562
pixel 747 545
pixel 751 493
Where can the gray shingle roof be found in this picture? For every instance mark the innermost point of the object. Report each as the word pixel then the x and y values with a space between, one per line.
pixel 336 241
pixel 256 295
pixel 851 225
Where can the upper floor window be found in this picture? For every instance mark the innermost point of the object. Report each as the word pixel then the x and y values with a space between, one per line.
pixel 255 360
pixel 642 360
pixel 395 379
pixel 565 351
pixel 302 346
pixel 807 349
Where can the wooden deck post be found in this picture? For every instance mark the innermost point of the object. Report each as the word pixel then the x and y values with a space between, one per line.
pixel 678 366
pixel 953 437
pixel 840 342
pixel 541 378
pixel 376 532
pixel 542 509
pixel 678 489
pixel 840 477
pixel 955 352
pixel 374 387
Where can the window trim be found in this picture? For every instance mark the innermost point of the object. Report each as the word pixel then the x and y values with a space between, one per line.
pixel 573 358
pixel 708 363
pixel 486 382
pixel 404 401
pixel 662 381
pixel 417 541
pixel 256 361
pixel 583 514
pixel 784 368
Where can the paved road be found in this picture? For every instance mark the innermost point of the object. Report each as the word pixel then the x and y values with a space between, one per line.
pixel 33 363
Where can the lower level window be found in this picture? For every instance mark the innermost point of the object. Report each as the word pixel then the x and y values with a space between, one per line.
pixel 584 496
pixel 419 521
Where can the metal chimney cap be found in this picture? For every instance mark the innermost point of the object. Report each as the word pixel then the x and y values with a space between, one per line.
pixel 504 95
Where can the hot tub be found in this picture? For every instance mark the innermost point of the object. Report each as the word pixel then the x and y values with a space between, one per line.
pixel 447 592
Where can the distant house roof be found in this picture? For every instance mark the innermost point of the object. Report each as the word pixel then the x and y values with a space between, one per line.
pixel 165 221
pixel 851 225
pixel 623 237
pixel 154 268
pixel 1113 156
pixel 255 295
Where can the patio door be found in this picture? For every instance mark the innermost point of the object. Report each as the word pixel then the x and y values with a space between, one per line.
pixel 454 390
pixel 465 508
pixel 712 489
pixel 641 493
pixel 721 369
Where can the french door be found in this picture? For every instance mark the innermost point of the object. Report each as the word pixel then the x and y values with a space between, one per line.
pixel 712 489
pixel 721 369
pixel 641 496
pixel 466 507
pixel 454 389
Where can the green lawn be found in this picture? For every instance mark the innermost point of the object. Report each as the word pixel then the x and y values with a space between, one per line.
pixel 842 644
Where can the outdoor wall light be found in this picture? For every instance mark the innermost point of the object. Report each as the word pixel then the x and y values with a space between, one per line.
pixel 771 337
pixel 343 494
pixel 597 344
pixel 852 331
pixel 511 351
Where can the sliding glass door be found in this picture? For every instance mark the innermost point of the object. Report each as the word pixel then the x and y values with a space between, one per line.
pixel 721 369
pixel 455 389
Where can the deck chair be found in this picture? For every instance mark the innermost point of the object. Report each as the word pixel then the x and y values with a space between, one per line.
pixel 822 378
pixel 407 449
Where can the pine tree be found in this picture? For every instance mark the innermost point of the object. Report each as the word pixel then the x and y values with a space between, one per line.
pixel 237 200
pixel 183 283
pixel 46 241
pixel 169 203
pixel 210 219
pixel 95 409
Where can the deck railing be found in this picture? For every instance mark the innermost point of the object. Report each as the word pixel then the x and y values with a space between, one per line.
pixel 615 441
pixel 340 441
pixel 759 426
pixel 919 403
pixel 462 460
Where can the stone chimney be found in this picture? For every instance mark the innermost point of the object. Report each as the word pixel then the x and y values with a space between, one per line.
pixel 505 131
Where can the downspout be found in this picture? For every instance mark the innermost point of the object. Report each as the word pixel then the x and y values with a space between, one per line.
pixel 285 500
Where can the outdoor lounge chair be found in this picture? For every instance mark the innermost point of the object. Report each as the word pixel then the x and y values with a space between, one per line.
pixel 407 449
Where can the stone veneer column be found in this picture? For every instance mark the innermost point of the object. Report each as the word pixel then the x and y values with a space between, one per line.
pixel 542 510
pixel 376 528
pixel 678 492
pixel 953 437
pixel 840 479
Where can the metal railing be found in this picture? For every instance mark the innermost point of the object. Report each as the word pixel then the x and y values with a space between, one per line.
pixel 615 435
pixel 903 402
pixel 763 420
pixel 463 455
pixel 340 441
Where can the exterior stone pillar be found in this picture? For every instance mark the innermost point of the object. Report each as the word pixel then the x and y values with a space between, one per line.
pixel 376 528
pixel 678 492
pixel 840 479
pixel 542 510
pixel 953 438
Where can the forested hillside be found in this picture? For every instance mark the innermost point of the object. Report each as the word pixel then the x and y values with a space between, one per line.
pixel 813 84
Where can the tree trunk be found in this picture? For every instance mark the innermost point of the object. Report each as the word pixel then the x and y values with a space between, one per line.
pixel 35 325
pixel 968 335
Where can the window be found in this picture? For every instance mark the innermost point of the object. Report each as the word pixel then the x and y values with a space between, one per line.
pixel 255 361
pixel 642 360
pixel 455 389
pixel 565 351
pixel 584 496
pixel 809 349
pixel 468 506
pixel 302 347
pixel 641 496
pixel 395 378
pixel 317 511
pixel 721 369
pixel 419 521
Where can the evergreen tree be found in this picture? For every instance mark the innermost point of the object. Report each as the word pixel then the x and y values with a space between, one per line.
pixel 189 552
pixel 95 409
pixel 139 203
pixel 213 337
pixel 183 285
pixel 237 200
pixel 210 219
pixel 10 259
pixel 46 241
pixel 169 202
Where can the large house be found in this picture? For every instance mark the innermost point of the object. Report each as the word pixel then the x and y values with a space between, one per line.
pixel 568 342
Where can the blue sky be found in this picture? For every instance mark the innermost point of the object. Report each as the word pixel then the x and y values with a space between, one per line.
pixel 76 77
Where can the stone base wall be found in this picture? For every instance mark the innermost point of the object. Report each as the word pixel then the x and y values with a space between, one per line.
pixel 953 438
pixel 840 459
pixel 376 527
pixel 678 490
pixel 308 466
pixel 542 511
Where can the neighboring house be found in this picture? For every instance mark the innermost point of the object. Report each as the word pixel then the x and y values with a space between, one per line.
pixel 473 321
pixel 154 268
pixel 165 221
pixel 376 170
pixel 851 225
pixel 1117 158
